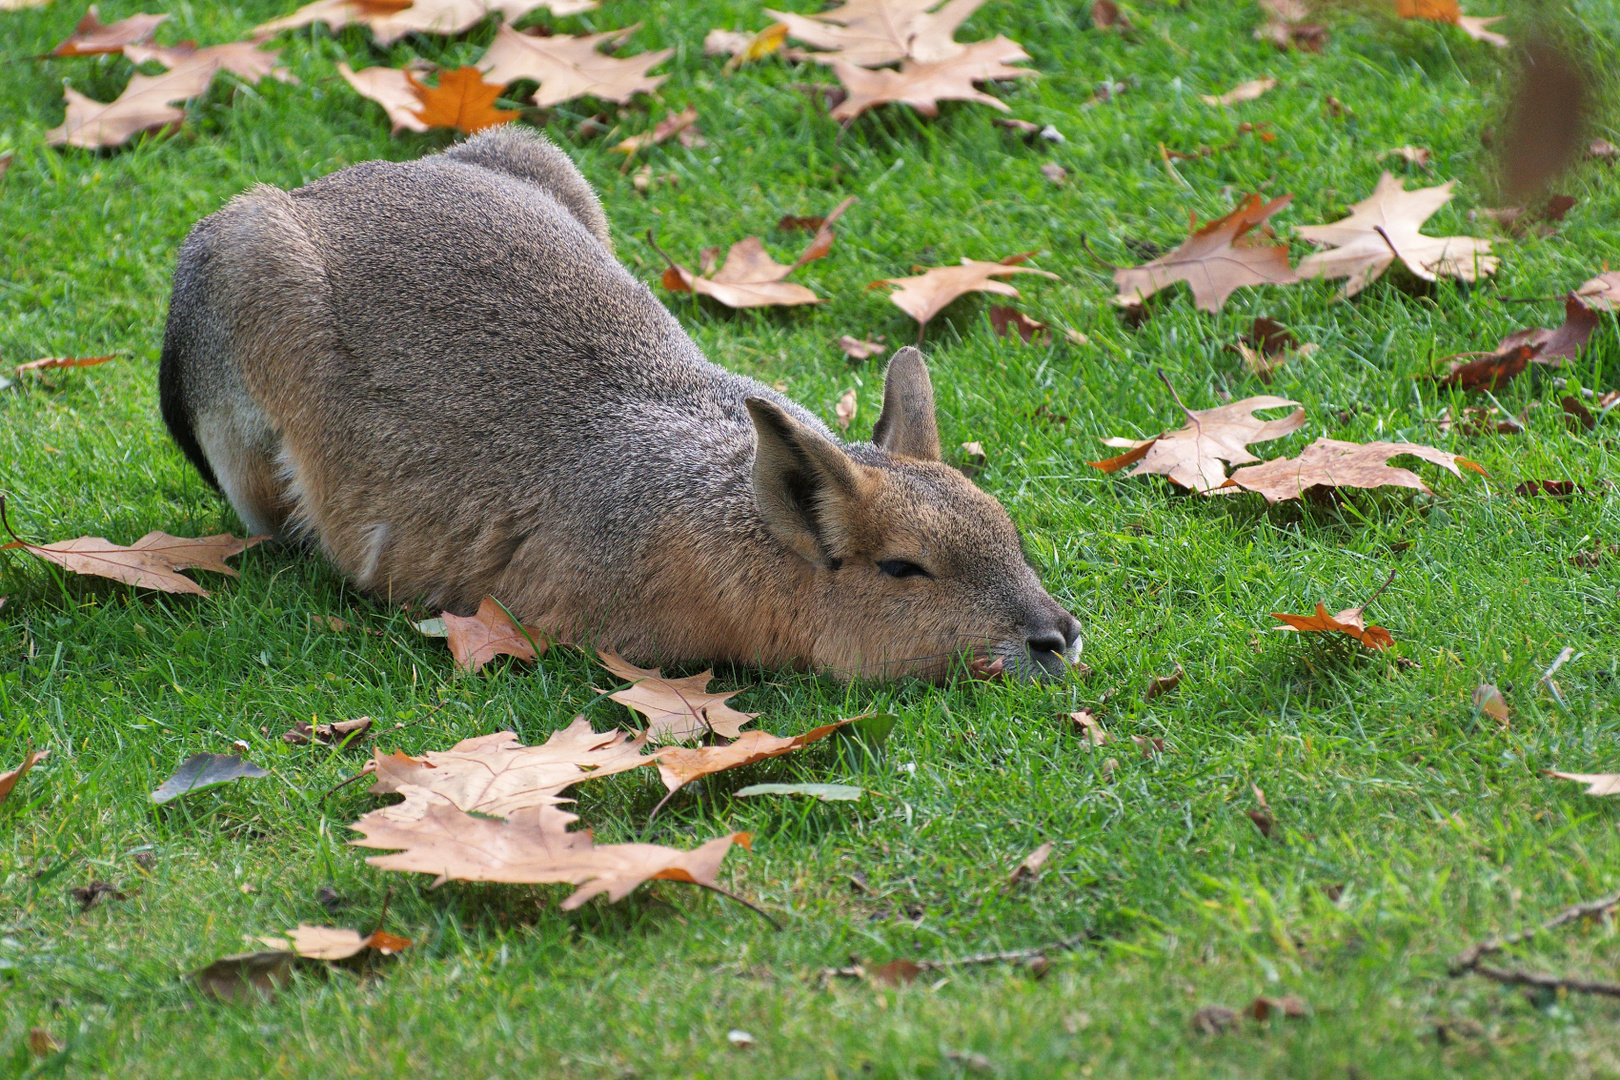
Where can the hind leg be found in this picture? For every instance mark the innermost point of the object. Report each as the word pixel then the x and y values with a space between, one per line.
pixel 243 451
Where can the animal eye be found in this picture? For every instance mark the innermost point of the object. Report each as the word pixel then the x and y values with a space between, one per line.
pixel 899 568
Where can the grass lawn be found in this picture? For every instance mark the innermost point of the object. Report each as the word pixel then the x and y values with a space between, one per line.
pixel 1407 825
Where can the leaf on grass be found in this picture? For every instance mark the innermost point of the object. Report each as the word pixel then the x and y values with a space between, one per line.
pixel 1087 722
pixel 1450 11
pixel 1601 293
pixel 680 765
pixel 743 48
pixel 1005 319
pixel 924 85
pixel 1333 463
pixel 532 847
pixel 8 779
pixel 1385 226
pixel 344 732
pixel 858 349
pixel 824 792
pixel 461 100
pixel 1268 346
pixel 489 633
pixel 844 411
pixel 1163 684
pixel 390 20
pixel 680 123
pixel 751 278
pixel 152 562
pixel 1214 260
pixel 204 771
pixel 1286 26
pixel 92 37
pixel 676 709
pixel 1349 621
pixel 928 294
pixel 1479 421
pixel 1261 1008
pixel 243 59
pixel 1030 868
pixel 1563 343
pixel 1596 783
pixel 1262 817
pixel 900 972
pixel 872 33
pixel 42 1043
pixel 240 976
pixel 1105 15
pixel 333 942
pixel 392 89
pixel 1192 455
pixel 1491 371
pixel 497 775
pixel 568 67
pixel 49 362
pixel 1489 700
pixel 1245 91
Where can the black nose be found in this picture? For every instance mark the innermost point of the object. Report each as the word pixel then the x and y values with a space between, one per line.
pixel 1055 639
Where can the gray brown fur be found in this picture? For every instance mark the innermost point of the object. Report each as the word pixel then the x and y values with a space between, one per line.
pixel 439 372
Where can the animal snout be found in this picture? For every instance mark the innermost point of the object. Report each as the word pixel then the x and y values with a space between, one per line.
pixel 1055 641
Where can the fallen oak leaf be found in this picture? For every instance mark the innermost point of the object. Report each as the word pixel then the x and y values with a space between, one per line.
pixel 1245 91
pixel 1150 745
pixel 673 124
pixel 92 37
pixel 243 59
pixel 1005 319
pixel 476 640
pixel 568 67
pixel 680 765
pixel 392 89
pixel 1163 684
pixel 858 349
pixel 205 771
pixel 461 100
pixel 924 85
pixel 1384 227
pixel 333 942
pixel 390 20
pixel 1215 260
pixel 344 732
pixel 1562 343
pixel 926 295
pixel 1491 371
pixel 1334 463
pixel 750 277
pixel 676 709
pixel 46 363
pixel 9 778
pixel 1412 155
pixel 1087 722
pixel 1349 621
pixel 872 33
pixel 1599 784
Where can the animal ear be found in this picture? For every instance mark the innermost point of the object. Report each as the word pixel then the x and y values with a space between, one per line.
pixel 806 487
pixel 907 426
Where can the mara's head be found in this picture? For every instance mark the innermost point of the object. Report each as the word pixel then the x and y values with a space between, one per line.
pixel 915 567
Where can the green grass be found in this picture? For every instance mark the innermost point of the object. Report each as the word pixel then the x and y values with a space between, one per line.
pixel 1407 825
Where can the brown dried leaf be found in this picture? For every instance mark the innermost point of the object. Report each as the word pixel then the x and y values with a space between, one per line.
pixel 1562 343
pixel 1492 370
pixel 1105 15
pixel 46 363
pixel 1005 319
pixel 1601 293
pixel 857 349
pixel 568 67
pixel 392 89
pixel 332 942
pixel 751 278
pixel 926 295
pixel 8 779
pixel 845 409
pixel 1192 456
pixel 676 709
pixel 240 976
pixel 152 562
pixel 1333 463
pixel 345 732
pixel 1599 784
pixel 1212 261
pixel 671 125
pixel 1412 155
pixel 900 972
pixel 1030 868
pixel 872 33
pixel 1087 722
pixel 461 100
pixel 92 894
pixel 1245 91
pixel 1163 684
pixel 92 37
pixel 1349 621
pixel 1214 1020
pixel 390 20
pixel 1262 1007
pixel 1489 700
pixel 1262 817
pixel 42 1043
pixel 1286 26
pixel 497 775
pixel 924 85
pixel 680 765
pixel 1383 227
pixel 1479 421
pixel 475 641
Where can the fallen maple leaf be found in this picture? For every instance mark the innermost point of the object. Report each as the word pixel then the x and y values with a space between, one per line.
pixel 1550 346
pixel 333 942
pixel 926 295
pixel 1491 371
pixel 390 20
pixel 857 349
pixel 1214 260
pixel 1599 784
pixel 1349 621
pixel 92 37
pixel 871 33
pixel 1088 723
pixel 1384 227
pixel 924 85
pixel 1450 11
pixel 497 775
pixel 680 123
pixel 1245 91
pixel 151 562
pixel 461 100
pixel 47 362
pixel 475 641
pixel 567 67
pixel 1601 293
pixel 680 765
pixel 1333 463
pixel 751 278
pixel 392 89
pixel 676 709
pixel 9 778
pixel 1192 455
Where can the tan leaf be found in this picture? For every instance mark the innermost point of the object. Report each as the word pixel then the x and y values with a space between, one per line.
pixel 497 775
pixel 243 59
pixel 462 100
pixel 344 732
pixel 1213 261
pixel 1601 293
pixel 680 765
pixel 477 640
pixel 332 942
pixel 1412 155
pixel 1245 91
pixel 92 37
pixel 924 85
pixel 567 67
pixel 1349 621
pixel 390 20
pixel 1163 684
pixel 747 48
pixel 1030 868
pixel 532 846
pixel 151 562
pixel 671 124
pixel 859 349
pixel 1333 463
pixel 1088 723
pixel 676 709
pixel 1596 783
pixel 871 33
pixel 1383 227
pixel 1192 455
pixel 1055 172
pixel 392 89
pixel 1489 700
pixel 845 409
pixel 8 779
pixel 751 278
pixel 926 295
pixel 48 362
pixel 1005 320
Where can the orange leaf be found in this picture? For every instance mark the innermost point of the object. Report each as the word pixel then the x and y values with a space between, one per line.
pixel 1348 621
pixel 63 362
pixel 93 37
pixel 462 100
pixel 1212 262
pixel 680 765
pixel 477 640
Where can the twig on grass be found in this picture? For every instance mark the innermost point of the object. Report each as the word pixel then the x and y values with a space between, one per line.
pixel 1468 962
